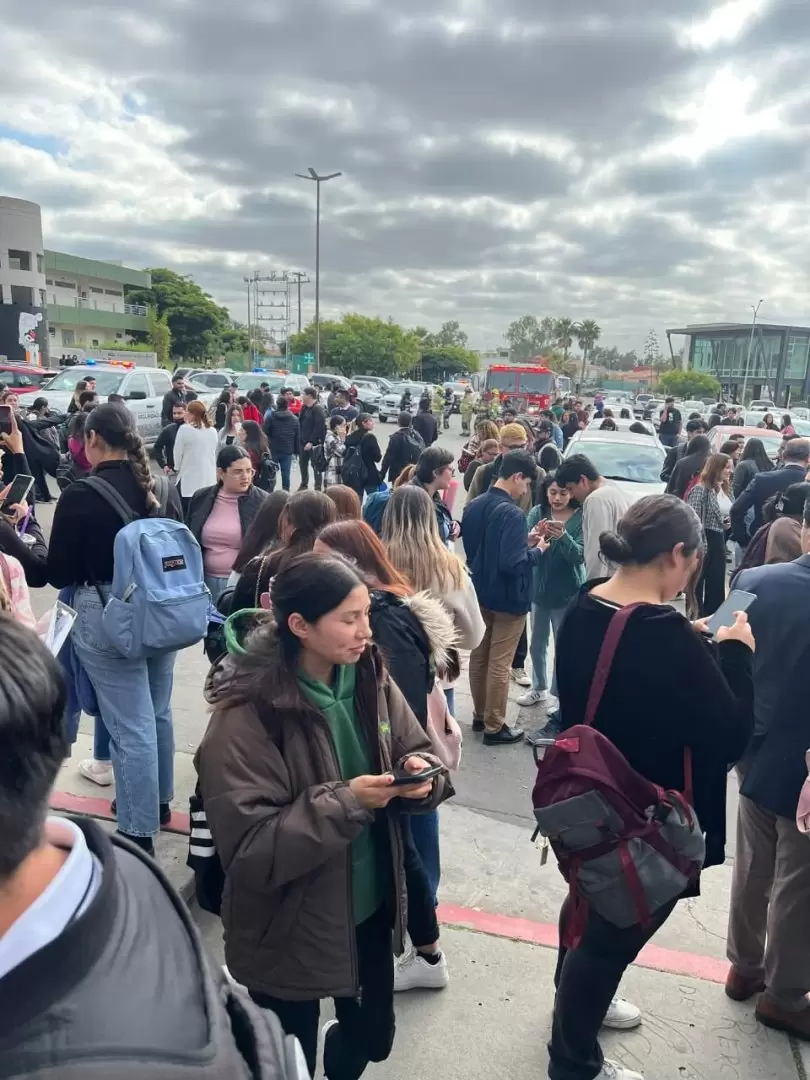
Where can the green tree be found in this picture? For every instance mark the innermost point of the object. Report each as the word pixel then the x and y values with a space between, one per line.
pixel 196 322
pixel 234 338
pixel 588 333
pixel 689 384
pixel 450 334
pixel 525 338
pixel 359 345
pixel 438 363
pixel 564 330
pixel 160 338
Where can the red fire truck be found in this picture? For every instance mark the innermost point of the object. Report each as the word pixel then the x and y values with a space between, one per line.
pixel 528 388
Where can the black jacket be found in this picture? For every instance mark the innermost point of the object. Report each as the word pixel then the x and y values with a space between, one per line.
pixel 425 424
pixel 404 448
pixel 668 689
pixel 127 990
pixel 85 526
pixel 370 452
pixel 762 487
pixel 674 455
pixel 202 503
pixel 283 432
pixel 170 399
pixel 312 423
pixel 163 450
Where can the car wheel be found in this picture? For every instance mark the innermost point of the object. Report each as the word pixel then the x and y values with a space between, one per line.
pixel 383 418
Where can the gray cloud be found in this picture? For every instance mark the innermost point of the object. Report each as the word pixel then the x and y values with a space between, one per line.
pixel 496 160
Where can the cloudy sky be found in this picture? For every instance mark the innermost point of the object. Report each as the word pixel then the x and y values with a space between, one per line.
pixel 641 162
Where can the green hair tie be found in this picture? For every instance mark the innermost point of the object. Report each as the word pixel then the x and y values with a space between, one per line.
pixel 232 643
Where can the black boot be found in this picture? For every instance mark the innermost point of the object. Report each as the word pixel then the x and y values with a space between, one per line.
pixel 146 843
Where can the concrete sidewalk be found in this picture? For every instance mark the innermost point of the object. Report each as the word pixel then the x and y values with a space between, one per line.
pixel 495 1018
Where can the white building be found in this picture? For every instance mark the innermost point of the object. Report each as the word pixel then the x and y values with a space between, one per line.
pixel 22 281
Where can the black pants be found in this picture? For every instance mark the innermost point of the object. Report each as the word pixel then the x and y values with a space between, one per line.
pixel 423 926
pixel 303 460
pixel 365 1028
pixel 711 586
pixel 521 652
pixel 587 979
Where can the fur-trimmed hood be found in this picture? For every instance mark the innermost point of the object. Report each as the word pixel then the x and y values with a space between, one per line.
pixel 439 627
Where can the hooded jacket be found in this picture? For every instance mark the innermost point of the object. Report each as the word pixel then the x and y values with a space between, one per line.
pixel 283 821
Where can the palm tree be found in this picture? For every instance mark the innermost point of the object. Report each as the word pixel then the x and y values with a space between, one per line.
pixel 588 333
pixel 564 330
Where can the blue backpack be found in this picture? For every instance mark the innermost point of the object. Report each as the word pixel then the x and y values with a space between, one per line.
pixel 159 601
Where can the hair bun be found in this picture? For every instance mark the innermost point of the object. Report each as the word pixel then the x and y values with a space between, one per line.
pixel 615 548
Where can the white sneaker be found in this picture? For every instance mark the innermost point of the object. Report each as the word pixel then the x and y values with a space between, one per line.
pixel 100 772
pixel 612 1070
pixel 622 1015
pixel 414 972
pixel 533 697
pixel 518 674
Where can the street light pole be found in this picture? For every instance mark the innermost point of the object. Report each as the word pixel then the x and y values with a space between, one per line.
pixel 750 344
pixel 317 180
pixel 250 331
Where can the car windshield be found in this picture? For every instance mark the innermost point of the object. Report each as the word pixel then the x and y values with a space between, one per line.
pixel 107 382
pixel 637 462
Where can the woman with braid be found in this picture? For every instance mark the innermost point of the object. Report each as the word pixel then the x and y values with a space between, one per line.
pixel 134 696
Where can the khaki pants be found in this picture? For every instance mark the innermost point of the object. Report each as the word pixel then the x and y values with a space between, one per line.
pixel 490 664
pixel 769 918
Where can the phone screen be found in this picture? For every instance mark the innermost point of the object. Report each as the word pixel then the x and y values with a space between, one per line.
pixel 20 487
pixel 737 600
pixel 5 419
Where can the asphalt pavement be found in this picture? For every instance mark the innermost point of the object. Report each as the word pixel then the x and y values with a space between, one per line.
pixel 498 911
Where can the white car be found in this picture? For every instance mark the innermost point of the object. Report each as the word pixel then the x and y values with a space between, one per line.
pixel 621 424
pixel 633 462
pixel 142 388
pixel 762 405
pixel 389 403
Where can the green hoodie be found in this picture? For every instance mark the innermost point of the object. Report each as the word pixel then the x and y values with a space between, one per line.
pixel 336 703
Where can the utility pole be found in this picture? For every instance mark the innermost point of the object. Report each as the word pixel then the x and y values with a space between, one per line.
pixel 300 279
pixel 317 180
pixel 750 344
pixel 247 281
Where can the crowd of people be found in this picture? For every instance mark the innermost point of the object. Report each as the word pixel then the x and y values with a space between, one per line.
pixel 338 622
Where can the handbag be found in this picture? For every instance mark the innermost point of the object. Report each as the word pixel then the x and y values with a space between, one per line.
pixel 443 729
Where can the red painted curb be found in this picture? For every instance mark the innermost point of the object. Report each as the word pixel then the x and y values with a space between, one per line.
pixel 670 961
pixel 653 957
pixel 100 808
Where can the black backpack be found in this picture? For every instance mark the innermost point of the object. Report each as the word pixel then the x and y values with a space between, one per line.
pixel 354 473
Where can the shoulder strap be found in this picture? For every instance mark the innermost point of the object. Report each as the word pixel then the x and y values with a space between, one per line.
pixel 111 496
pixel 162 494
pixel 258 594
pixel 615 629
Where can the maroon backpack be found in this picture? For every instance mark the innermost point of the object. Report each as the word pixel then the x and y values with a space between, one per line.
pixel 625 845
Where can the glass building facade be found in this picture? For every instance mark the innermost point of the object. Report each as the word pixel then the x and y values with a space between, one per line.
pixel 775 359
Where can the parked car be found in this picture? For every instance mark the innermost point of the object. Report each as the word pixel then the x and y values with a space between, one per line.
pixel 762 405
pixel 772 440
pixel 389 403
pixel 633 462
pixel 24 379
pixel 143 389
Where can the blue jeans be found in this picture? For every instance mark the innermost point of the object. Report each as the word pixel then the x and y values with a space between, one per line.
pixel 545 621
pixel 101 741
pixel 425 832
pixel 285 465
pixel 450 697
pixel 216 586
pixel 135 698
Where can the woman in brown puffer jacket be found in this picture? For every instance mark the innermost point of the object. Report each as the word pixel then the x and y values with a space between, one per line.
pixel 297 772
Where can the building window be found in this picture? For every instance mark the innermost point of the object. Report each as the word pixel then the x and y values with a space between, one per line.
pixel 43 300
pixel 51 330
pixel 49 281
pixel 94 341
pixel 23 295
pixel 119 336
pixel 40 264
pixel 65 284
pixel 112 292
pixel 798 347
pixel 68 337
pixel 94 289
pixel 19 260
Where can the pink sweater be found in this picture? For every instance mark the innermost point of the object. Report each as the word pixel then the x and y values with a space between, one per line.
pixel 222 536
